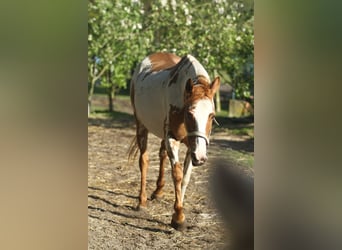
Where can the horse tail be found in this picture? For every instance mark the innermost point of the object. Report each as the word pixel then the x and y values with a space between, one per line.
pixel 133 149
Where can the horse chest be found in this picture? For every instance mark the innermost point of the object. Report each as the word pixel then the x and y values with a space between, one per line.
pixel 176 124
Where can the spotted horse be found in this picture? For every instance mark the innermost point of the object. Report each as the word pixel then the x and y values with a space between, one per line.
pixel 172 97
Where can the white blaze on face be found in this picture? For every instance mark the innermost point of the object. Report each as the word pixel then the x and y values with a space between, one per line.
pixel 201 112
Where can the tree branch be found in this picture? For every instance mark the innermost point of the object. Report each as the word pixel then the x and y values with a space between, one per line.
pixel 100 74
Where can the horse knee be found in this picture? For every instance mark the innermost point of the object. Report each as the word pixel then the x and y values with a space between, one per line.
pixel 177 173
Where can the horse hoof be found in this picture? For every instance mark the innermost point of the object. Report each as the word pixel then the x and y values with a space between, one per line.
pixel 141 208
pixel 178 226
pixel 156 196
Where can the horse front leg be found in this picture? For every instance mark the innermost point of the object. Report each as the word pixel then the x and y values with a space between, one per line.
pixel 187 169
pixel 178 218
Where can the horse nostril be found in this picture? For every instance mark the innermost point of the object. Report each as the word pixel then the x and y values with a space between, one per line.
pixel 198 161
pixel 194 160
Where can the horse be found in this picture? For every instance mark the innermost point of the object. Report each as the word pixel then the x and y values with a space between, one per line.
pixel 172 97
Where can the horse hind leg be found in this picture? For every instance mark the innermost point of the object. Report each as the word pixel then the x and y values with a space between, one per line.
pixel 158 193
pixel 142 133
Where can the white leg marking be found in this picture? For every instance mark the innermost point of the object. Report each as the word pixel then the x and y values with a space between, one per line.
pixel 186 173
pixel 172 147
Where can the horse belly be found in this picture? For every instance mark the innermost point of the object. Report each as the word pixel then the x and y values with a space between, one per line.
pixel 149 108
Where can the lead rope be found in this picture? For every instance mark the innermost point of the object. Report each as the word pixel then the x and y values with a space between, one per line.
pixel 216 122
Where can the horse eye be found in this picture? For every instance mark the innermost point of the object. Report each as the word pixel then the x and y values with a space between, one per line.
pixel 188 116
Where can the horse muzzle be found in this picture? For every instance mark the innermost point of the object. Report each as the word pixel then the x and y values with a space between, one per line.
pixel 198 144
pixel 198 160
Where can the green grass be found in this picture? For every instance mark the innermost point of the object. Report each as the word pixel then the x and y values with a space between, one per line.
pixel 243 131
pixel 241 159
pixel 101 111
pixel 105 114
pixel 118 96
pixel 228 126
pixel 222 113
pixel 123 97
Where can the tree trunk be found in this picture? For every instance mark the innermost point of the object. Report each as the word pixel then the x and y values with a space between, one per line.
pixel 217 97
pixel 218 101
pixel 111 94
pixel 91 92
pixel 110 91
pixel 93 81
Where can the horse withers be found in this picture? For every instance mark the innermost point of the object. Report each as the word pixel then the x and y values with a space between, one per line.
pixel 172 97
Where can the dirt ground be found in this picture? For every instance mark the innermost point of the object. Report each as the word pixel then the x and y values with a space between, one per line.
pixel 113 187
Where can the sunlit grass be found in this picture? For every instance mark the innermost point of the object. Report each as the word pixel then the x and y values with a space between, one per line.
pixel 240 158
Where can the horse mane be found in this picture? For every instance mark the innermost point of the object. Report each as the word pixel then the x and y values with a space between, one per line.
pixel 200 89
pixel 174 71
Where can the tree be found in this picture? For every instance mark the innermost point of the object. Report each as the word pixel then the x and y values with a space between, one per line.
pixel 113 43
pixel 218 32
pixel 225 40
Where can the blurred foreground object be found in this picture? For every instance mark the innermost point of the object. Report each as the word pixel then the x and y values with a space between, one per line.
pixel 233 194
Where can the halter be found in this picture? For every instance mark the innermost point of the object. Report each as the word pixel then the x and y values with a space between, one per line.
pixel 199 134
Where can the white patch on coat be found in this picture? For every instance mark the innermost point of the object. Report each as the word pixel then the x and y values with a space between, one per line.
pixel 202 109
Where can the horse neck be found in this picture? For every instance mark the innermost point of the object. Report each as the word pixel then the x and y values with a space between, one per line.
pixel 177 91
pixel 189 68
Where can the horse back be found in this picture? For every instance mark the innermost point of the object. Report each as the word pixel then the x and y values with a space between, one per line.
pixel 162 61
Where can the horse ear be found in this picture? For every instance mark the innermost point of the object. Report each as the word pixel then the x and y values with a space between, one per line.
pixel 215 85
pixel 189 85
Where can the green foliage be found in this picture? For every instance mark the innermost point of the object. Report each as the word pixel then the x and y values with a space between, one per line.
pixel 218 32
pixel 113 31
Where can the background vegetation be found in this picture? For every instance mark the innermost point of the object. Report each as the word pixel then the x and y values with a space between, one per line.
pixel 218 32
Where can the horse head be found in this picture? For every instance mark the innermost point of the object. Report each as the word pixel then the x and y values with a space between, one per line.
pixel 199 115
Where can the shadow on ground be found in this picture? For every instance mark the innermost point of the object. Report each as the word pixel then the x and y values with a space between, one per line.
pixel 120 214
pixel 115 119
pixel 233 123
pixel 246 145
